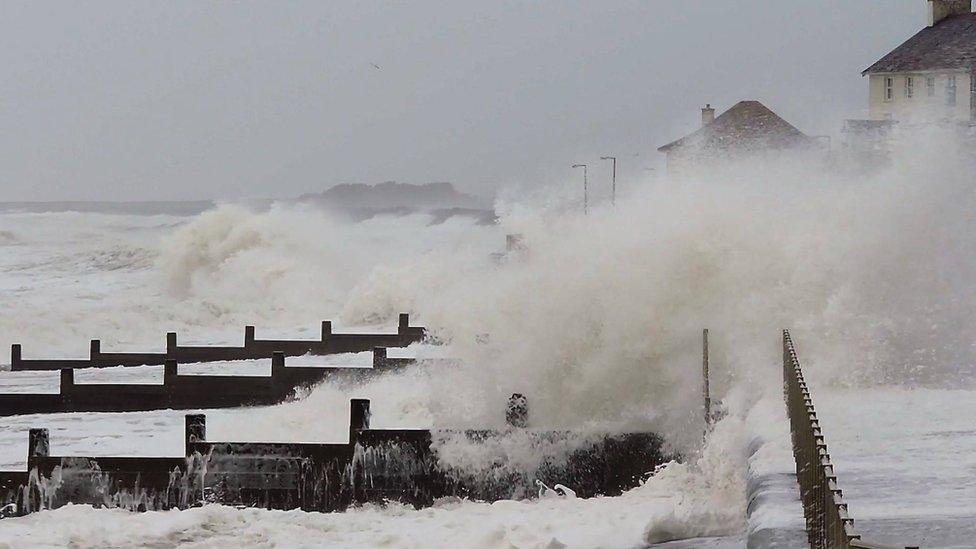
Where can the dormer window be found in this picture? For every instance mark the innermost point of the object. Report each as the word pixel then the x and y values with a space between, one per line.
pixel 889 88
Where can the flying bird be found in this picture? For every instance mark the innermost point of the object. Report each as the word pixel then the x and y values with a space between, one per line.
pixel 375 66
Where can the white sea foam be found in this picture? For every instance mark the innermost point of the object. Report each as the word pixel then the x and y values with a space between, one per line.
pixel 128 279
pixel 597 323
pixel 600 321
pixel 702 498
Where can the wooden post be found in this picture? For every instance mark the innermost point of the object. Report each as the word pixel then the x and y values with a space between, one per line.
pixel 379 358
pixel 67 380
pixel 66 389
pixel 195 430
pixel 15 357
pixel 277 366
pixel 248 336
pixel 171 344
pixel 708 399
pixel 358 417
pixel 38 445
pixel 326 330
pixel 404 324
pixel 94 349
pixel 170 371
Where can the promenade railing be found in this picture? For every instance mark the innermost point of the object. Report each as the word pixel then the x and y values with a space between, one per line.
pixel 828 521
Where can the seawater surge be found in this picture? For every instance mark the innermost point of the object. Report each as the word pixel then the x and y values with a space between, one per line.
pixel 597 322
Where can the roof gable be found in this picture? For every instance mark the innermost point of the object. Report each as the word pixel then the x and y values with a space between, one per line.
pixel 949 44
pixel 746 123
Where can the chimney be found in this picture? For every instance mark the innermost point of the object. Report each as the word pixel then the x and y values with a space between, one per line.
pixel 708 115
pixel 940 9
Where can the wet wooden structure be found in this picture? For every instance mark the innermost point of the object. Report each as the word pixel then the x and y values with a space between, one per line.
pixel 373 466
pixel 190 392
pixel 252 348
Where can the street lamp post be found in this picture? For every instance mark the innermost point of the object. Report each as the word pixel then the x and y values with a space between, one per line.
pixel 584 186
pixel 613 176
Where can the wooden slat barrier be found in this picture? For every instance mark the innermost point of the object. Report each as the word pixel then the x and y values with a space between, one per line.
pixel 183 392
pixel 828 521
pixel 253 348
pixel 374 466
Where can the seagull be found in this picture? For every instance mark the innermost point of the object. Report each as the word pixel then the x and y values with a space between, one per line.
pixel 375 66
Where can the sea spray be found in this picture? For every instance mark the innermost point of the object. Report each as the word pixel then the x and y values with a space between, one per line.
pixel 40 491
pixel 600 323
pixel 78 480
pixel 127 279
pixel 709 493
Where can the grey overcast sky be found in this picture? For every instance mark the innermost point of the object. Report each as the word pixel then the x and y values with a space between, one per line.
pixel 138 100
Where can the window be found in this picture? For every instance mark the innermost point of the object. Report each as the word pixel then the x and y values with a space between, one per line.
pixel 930 85
pixel 909 86
pixel 889 88
pixel 951 91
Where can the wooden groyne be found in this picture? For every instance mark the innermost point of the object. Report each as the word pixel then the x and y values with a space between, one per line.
pixel 373 466
pixel 186 392
pixel 252 348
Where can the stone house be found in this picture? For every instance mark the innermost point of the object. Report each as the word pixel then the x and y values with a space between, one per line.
pixel 747 131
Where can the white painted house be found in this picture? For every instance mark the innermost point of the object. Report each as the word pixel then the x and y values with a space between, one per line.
pixel 930 76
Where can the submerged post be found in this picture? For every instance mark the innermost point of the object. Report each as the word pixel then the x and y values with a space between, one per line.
pixel 67 380
pixel 15 357
pixel 379 358
pixel 38 445
pixel 170 371
pixel 358 417
pixel 195 430
pixel 66 389
pixel 517 412
pixel 277 365
pixel 708 400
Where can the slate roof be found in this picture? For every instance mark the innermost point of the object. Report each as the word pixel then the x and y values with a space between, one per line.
pixel 950 44
pixel 749 124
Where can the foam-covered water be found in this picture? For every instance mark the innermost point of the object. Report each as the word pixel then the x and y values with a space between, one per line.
pixel 703 498
pixel 127 280
pixel 597 322
pixel 600 322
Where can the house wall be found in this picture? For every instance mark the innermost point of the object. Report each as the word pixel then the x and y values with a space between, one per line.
pixel 683 165
pixel 687 163
pixel 921 106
